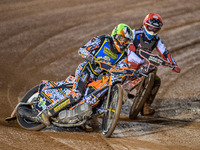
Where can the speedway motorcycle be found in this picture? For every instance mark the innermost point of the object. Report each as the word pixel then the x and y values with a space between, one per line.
pixel 107 89
pixel 141 87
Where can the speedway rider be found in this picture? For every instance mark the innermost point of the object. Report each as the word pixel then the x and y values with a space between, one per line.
pixel 110 49
pixel 146 38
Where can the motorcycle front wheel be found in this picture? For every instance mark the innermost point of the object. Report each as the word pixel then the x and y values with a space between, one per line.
pixel 141 96
pixel 25 123
pixel 111 115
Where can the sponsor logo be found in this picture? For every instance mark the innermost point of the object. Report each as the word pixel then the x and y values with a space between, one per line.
pixel 117 70
pixel 42 103
pixel 137 81
pixel 110 53
pixel 156 60
pixel 106 58
pixel 62 105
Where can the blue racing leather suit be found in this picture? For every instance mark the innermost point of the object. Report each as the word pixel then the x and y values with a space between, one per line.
pixel 101 48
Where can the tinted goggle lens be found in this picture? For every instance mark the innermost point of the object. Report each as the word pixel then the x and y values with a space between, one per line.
pixel 123 40
pixel 150 28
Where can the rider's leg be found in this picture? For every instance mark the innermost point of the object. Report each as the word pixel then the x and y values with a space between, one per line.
pixel 82 75
pixel 147 110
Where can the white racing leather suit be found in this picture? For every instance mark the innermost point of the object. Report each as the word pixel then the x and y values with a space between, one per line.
pixel 135 61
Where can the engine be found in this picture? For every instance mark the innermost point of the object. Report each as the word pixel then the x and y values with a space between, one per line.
pixel 75 115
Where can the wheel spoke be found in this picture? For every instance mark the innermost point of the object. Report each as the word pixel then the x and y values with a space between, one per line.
pixel 112 114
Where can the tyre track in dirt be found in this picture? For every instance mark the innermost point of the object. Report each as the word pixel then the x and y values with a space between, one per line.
pixel 173 81
pixel 191 53
pixel 32 47
pixel 63 54
pixel 186 50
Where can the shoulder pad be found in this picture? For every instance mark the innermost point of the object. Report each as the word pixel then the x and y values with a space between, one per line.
pixel 104 36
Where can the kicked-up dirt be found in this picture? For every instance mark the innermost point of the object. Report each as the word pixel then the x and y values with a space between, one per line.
pixel 39 40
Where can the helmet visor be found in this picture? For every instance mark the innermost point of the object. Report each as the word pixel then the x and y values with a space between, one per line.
pixel 123 40
pixel 153 29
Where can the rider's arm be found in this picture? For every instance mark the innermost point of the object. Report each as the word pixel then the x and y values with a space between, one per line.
pixel 123 64
pixel 90 47
pixel 167 55
pixel 133 60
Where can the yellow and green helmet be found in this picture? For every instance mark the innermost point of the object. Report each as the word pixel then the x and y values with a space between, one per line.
pixel 123 30
pixel 122 35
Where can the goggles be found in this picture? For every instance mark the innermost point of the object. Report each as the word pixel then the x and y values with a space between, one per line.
pixel 150 28
pixel 123 40
pixel 153 29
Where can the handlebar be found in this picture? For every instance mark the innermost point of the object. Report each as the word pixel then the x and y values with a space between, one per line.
pixel 154 60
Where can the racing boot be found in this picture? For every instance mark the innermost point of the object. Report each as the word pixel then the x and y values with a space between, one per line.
pixel 147 111
pixel 87 128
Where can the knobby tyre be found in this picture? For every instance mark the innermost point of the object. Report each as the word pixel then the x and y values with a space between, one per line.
pixel 142 94
pixel 112 114
pixel 24 123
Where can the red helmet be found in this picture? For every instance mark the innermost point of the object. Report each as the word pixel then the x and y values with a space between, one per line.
pixel 152 24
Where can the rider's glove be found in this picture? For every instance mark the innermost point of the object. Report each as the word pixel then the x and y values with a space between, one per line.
pixel 137 73
pixel 90 58
pixel 140 71
pixel 176 69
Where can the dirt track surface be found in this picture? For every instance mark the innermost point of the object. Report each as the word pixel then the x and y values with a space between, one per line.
pixel 39 40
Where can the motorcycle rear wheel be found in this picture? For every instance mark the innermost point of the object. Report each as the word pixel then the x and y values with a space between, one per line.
pixel 24 123
pixel 112 114
pixel 142 95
